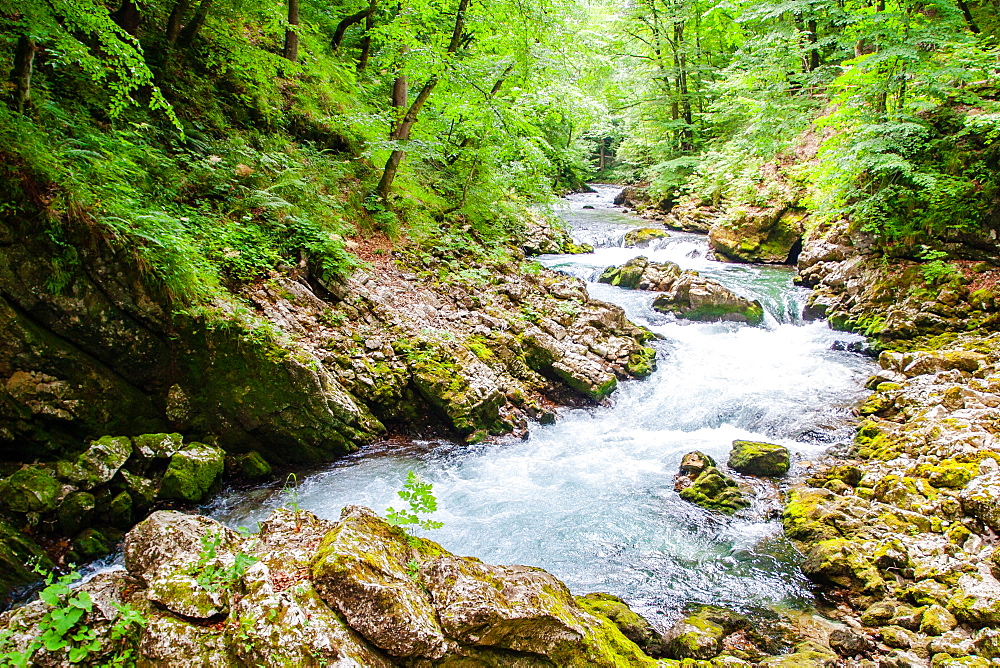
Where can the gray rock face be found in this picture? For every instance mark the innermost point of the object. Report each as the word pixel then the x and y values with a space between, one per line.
pixel 981 499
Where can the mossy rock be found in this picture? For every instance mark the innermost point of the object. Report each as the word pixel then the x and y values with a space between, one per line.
pixel 759 459
pixel 17 551
pixel 101 461
pixel 713 490
pixel 640 238
pixel 642 362
pixel 76 512
pixel 120 511
pixel 843 563
pixel 158 446
pixel 635 627
pixel 695 638
pixel 936 621
pixel 192 472
pixel 31 490
pixel 695 462
pixel 250 466
pixel 91 544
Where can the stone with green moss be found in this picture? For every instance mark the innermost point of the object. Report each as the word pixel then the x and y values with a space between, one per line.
pixel 192 472
pixel 158 446
pixel 642 362
pixel 76 512
pixel 641 237
pixel 182 594
pixel 693 297
pixel 843 563
pixel 33 489
pixel 120 511
pixel 252 466
pixel 101 461
pixel 759 459
pixel 936 621
pixel 17 551
pixel 808 654
pixel 91 543
pixel 694 637
pixel 635 627
pixel 142 490
pixel 713 490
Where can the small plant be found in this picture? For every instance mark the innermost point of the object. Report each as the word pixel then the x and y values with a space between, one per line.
pixel 420 497
pixel 212 575
pixel 291 491
pixel 935 270
pixel 63 628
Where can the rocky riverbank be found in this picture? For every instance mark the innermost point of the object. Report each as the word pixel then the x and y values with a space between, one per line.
pixel 457 336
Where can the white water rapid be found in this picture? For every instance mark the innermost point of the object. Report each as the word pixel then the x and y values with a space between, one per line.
pixel 590 498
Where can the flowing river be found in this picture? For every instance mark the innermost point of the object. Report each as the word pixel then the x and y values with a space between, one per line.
pixel 590 498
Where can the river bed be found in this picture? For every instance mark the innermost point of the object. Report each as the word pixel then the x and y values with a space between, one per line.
pixel 590 498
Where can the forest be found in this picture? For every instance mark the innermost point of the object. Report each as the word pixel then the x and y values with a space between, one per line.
pixel 264 263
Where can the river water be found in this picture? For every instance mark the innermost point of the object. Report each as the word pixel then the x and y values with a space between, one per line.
pixel 590 498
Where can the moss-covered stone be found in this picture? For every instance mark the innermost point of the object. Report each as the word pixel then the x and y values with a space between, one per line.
pixel 805 510
pixel 251 466
pixel 843 563
pixel 17 551
pixel 192 472
pixel 642 362
pixel 158 446
pixel 120 511
pixel 713 490
pixel 759 459
pixel 91 543
pixel 936 621
pixel 101 461
pixel 33 489
pixel 76 512
pixel 635 627
pixel 695 638
pixel 640 238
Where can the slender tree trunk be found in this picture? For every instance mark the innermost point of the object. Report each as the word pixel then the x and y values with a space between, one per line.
pixel 402 131
pixel 24 63
pixel 964 6
pixel 814 60
pixel 195 25
pixel 127 17
pixel 366 43
pixel 400 92
pixel 348 21
pixel 291 51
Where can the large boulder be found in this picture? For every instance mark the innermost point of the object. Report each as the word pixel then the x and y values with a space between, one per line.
pixel 30 490
pixel 643 236
pixel 692 297
pixel 635 627
pixel 640 273
pixel 771 236
pixel 192 472
pixel 759 459
pixel 362 570
pixel 304 591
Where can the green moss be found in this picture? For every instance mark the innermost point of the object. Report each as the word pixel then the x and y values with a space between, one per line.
pixel 17 551
pixel 805 510
pixel 76 512
pixel 252 466
pixel 712 490
pixel 642 363
pixel 759 459
pixel 30 490
pixel 192 472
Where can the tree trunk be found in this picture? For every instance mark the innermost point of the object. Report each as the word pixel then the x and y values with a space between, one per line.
pixel 402 131
pixel 964 6
pixel 127 17
pixel 194 26
pixel 366 43
pixel 291 37
pixel 813 39
pixel 24 62
pixel 348 21
pixel 176 21
pixel 400 92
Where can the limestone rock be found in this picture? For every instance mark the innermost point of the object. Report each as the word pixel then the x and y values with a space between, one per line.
pixel 981 499
pixel 192 472
pixel 692 297
pixel 360 570
pixel 158 446
pixel 758 235
pixel 640 273
pixel 640 238
pixel 709 487
pixel 635 627
pixel 759 459
pixel 181 593
pixel 694 638
pixel 168 538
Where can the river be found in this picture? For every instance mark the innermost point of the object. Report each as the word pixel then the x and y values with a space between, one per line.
pixel 590 498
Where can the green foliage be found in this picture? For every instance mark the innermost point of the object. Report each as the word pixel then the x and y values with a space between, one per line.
pixel 63 629
pixel 420 498
pixel 211 573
